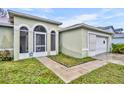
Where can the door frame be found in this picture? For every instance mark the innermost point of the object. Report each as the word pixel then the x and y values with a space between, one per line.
pixel 37 54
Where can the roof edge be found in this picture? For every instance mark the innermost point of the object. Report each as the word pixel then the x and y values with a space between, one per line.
pixel 33 17
pixel 6 25
pixel 81 25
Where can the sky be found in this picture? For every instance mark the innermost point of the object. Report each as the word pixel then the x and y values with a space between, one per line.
pixel 69 16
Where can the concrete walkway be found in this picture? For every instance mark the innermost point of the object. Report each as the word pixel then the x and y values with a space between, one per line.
pixel 72 73
pixel 69 74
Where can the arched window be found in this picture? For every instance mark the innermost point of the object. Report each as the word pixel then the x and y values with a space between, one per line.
pixel 53 41
pixel 39 29
pixel 39 39
pixel 23 39
pixel 23 28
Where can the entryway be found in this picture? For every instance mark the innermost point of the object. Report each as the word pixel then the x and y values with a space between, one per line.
pixel 40 44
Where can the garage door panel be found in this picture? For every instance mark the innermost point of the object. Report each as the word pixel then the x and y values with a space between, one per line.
pixel 92 41
pixel 101 45
pixel 97 44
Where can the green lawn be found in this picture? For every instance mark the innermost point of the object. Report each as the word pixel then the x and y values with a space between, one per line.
pixel 109 74
pixel 70 61
pixel 29 71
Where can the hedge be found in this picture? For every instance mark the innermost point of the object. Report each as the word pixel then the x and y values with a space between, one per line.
pixel 5 56
pixel 118 48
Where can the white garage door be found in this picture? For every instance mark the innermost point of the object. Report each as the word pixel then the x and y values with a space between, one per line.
pixel 101 45
pixel 97 44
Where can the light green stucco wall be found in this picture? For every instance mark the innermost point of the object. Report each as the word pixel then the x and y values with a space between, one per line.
pixel 6 38
pixel 75 42
pixel 72 42
pixel 31 23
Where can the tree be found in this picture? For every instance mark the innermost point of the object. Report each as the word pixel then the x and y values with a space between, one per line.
pixel 3 13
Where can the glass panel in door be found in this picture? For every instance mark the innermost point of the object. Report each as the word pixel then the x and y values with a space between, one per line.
pixel 40 43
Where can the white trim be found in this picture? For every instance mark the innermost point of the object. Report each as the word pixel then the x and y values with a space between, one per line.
pixel 35 54
pixel 39 24
pixel 88 42
pixel 39 54
pixel 85 49
pixel 98 33
pixel 24 30
pixel 53 52
pixel 52 29
pixel 3 49
pixel 21 25
pixel 39 32
pixel 23 55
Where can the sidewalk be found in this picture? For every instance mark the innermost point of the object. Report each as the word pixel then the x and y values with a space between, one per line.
pixel 69 74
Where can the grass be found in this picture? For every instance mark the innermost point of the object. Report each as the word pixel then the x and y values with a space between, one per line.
pixel 70 61
pixel 29 71
pixel 108 74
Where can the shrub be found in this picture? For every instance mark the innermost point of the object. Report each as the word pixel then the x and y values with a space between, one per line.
pixel 5 55
pixel 118 48
pixel 121 50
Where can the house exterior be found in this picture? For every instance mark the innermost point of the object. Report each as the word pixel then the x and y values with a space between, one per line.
pixel 29 36
pixel 118 38
pixel 118 35
pixel 82 40
pixel 108 28
pixel 118 30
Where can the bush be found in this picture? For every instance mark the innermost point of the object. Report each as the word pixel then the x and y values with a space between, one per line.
pixel 5 55
pixel 118 48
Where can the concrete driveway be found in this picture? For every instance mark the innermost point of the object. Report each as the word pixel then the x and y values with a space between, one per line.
pixel 112 58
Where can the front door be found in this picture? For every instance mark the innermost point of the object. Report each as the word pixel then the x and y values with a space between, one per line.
pixel 40 44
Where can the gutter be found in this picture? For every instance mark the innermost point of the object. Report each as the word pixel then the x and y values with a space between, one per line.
pixel 6 25
pixel 82 25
